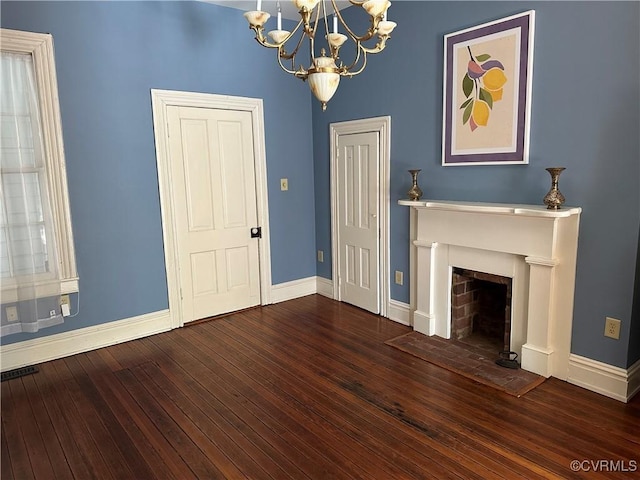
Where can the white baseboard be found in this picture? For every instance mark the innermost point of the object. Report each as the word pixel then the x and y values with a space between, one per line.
pixel 38 350
pixel 399 312
pixel 294 289
pixel 324 287
pixel 633 380
pixel 614 382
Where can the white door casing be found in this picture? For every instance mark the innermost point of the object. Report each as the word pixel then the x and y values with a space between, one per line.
pixel 162 101
pixel 212 167
pixel 378 205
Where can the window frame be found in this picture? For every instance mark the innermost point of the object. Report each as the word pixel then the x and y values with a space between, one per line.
pixel 40 47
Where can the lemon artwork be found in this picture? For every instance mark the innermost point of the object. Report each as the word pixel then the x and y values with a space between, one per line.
pixel 482 85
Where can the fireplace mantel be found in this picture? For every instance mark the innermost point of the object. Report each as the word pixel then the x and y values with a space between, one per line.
pixel 532 245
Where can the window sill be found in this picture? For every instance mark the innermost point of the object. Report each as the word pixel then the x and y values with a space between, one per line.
pixel 43 289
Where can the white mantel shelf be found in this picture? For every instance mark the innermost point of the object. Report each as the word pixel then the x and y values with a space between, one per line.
pixel 497 208
pixel 534 246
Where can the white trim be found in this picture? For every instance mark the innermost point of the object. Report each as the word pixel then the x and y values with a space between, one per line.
pixel 39 350
pixel 40 47
pixel 614 382
pixel 294 289
pixel 381 125
pixel 161 100
pixel 633 380
pixel 324 287
pixel 400 312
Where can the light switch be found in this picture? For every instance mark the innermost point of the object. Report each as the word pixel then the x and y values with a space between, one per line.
pixel 284 184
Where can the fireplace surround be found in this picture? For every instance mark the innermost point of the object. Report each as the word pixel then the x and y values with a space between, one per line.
pixel 530 244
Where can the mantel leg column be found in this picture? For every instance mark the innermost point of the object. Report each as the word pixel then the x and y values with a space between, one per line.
pixel 537 352
pixel 423 316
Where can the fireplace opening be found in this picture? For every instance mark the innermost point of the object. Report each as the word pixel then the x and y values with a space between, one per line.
pixel 481 310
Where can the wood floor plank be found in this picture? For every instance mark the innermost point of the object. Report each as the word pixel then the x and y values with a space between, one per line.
pixel 15 442
pixel 170 463
pixel 170 427
pixel 35 445
pixel 212 447
pixel 97 417
pixel 315 402
pixel 394 411
pixel 297 402
pixel 245 415
pixel 55 455
pixel 57 408
pixel 305 389
pixel 316 443
pixel 242 444
pixel 6 469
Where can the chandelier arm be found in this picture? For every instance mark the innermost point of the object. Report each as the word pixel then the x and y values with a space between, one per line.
pixel 347 70
pixel 300 73
pixel 348 73
pixel 370 33
pixel 262 40
pixel 380 46
pixel 292 55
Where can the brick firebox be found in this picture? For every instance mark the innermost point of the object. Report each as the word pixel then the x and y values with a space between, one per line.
pixel 481 308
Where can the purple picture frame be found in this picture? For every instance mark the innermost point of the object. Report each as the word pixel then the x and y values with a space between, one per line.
pixel 488 71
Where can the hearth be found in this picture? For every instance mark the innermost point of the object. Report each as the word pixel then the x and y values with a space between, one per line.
pixel 534 247
pixel 481 310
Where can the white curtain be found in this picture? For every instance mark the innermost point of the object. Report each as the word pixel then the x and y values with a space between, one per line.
pixel 29 277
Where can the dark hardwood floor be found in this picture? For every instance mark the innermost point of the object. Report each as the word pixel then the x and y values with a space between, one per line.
pixel 305 389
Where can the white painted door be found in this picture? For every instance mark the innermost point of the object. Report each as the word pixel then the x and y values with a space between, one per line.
pixel 358 224
pixel 214 204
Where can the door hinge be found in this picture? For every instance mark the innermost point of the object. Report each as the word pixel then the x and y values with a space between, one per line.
pixel 256 232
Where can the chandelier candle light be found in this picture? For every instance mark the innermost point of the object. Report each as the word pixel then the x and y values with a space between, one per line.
pixel 323 71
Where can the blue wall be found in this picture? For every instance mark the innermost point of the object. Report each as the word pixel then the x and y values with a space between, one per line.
pixel 108 57
pixel 585 117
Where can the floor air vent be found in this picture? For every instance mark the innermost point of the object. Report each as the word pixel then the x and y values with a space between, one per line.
pixel 18 372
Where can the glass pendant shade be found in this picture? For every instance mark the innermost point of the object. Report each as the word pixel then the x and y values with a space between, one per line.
pixel 376 7
pixel 278 36
pixel 257 18
pixel 309 4
pixel 385 27
pixel 324 79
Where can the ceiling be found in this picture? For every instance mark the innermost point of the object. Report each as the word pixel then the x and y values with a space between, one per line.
pixel 287 7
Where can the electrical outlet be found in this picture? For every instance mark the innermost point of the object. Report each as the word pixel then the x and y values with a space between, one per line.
pixel 64 300
pixel 612 328
pixel 320 256
pixel 284 184
pixel 12 314
pixel 399 277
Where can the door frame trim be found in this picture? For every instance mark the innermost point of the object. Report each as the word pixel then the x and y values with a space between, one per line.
pixel 160 101
pixel 382 126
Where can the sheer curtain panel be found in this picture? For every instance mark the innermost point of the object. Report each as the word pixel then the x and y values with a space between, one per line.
pixel 28 261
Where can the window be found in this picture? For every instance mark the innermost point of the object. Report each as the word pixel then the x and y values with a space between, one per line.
pixel 36 241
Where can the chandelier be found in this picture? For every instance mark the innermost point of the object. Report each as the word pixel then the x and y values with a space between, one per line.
pixel 324 71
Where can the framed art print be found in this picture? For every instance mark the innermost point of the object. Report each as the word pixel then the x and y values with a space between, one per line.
pixel 488 71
